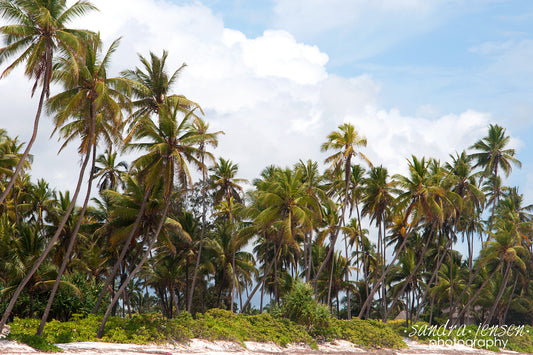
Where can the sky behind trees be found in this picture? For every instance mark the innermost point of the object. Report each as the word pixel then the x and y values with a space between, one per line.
pixel 414 77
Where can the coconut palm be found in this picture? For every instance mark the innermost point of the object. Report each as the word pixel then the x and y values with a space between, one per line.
pixel 171 145
pixel 109 171
pixel 423 199
pixel 492 155
pixel 39 30
pixel 152 86
pixel 227 188
pixel 90 108
pixel 377 203
pixel 346 141
pixel 206 138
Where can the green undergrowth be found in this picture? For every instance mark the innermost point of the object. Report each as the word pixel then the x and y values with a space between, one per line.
pixel 366 333
pixel 213 325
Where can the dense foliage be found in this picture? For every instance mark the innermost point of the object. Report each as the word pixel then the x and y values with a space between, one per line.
pixel 156 241
pixel 216 324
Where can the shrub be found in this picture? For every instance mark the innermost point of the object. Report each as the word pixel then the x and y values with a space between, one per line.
pixel 300 307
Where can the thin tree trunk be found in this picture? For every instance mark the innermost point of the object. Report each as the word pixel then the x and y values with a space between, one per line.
pixel 202 233
pixel 125 249
pixel 267 271
pixel 234 276
pixel 474 297
pixel 70 247
pixel 440 259
pixel 410 277
pixel 368 300
pixel 141 263
pixel 500 293
pixel 509 303
pixel 44 93
pixel 50 245
pixel 347 170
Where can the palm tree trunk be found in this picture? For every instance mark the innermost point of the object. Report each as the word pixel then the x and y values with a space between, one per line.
pixel 410 277
pixel 202 233
pixel 349 304
pixel 50 245
pixel 125 249
pixel 267 271
pixel 347 169
pixel 368 301
pixel 509 303
pixel 139 266
pixel 440 259
pixel 70 247
pixel 474 297
pixel 500 293
pixel 44 93
pixel 234 276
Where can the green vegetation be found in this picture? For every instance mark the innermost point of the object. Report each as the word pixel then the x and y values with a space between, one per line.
pixel 216 324
pixel 155 241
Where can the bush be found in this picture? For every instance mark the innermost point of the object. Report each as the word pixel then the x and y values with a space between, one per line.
pixel 300 307
pixel 367 333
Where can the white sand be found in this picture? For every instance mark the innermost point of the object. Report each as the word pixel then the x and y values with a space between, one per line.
pixel 200 346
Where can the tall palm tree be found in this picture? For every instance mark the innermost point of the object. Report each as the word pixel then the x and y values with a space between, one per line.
pixel 150 91
pixel 283 209
pixel 492 155
pixel 227 188
pixel 38 29
pixel 377 203
pixel 423 199
pixel 206 138
pixel 346 142
pixel 313 183
pixel 152 86
pixel 90 108
pixel 172 145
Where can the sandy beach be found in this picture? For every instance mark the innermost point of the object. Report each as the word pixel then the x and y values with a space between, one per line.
pixel 200 346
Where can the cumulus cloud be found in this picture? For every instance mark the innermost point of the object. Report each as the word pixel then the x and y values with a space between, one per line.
pixel 272 95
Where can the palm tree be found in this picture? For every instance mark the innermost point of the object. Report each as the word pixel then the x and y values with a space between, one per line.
pixel 38 30
pixel 493 156
pixel 283 208
pixel 313 181
pixel 171 146
pixel 423 199
pixel 345 142
pixel 92 102
pixel 377 202
pixel 206 139
pixel 110 172
pixel 227 188
pixel 152 86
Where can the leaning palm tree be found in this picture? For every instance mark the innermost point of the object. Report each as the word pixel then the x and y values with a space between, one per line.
pixel 150 91
pixel 423 200
pixel 38 29
pixel 90 108
pixel 172 146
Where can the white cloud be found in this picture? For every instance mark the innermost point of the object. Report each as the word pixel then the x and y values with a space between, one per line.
pixel 271 95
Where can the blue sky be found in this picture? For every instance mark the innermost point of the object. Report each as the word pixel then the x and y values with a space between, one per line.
pixel 414 76
pixel 456 56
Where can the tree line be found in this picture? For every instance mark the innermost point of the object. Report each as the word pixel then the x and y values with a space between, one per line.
pixel 157 240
